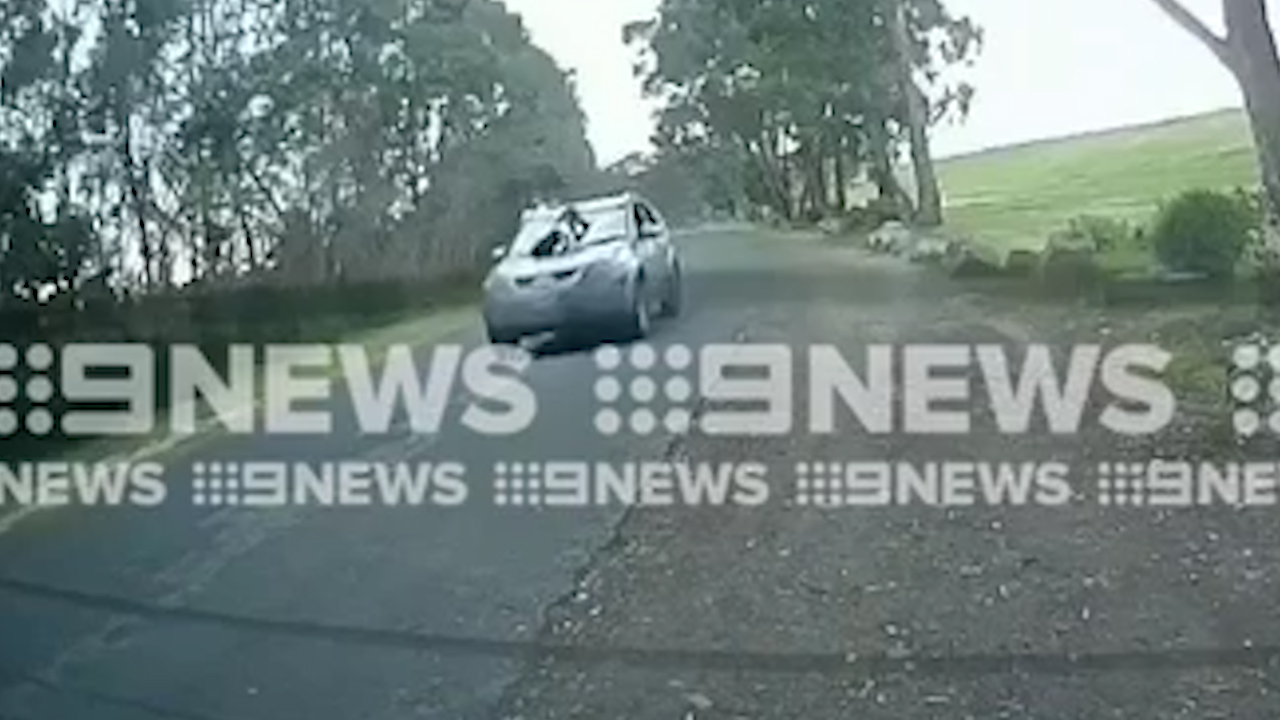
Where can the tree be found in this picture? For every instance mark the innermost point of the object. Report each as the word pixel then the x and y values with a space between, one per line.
pixel 1248 50
pixel 806 91
pixel 49 251
pixel 924 37
pixel 207 143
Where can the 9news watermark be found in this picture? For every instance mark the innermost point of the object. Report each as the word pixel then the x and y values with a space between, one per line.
pixel 749 390
pixel 720 390
pixel 819 484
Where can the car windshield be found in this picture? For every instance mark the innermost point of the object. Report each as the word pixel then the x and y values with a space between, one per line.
pixel 549 235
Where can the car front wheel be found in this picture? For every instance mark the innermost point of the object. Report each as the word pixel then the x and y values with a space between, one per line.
pixel 501 336
pixel 673 299
pixel 638 320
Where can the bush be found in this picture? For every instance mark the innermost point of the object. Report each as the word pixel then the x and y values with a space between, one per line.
pixel 1255 251
pixel 1102 234
pixel 1203 232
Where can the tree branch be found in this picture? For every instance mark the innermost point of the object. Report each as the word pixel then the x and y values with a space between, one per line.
pixel 1193 25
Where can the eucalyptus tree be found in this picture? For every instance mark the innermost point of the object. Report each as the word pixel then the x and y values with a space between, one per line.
pixel 807 92
pixel 1248 50
pixel 217 142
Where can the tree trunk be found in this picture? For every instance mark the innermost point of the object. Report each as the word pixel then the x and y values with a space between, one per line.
pixel 777 174
pixel 773 185
pixel 150 256
pixel 813 199
pixel 786 174
pixel 883 173
pixel 928 196
pixel 1253 60
pixel 1249 52
pixel 841 180
pixel 821 174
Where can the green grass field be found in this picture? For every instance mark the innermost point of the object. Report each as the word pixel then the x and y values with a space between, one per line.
pixel 1013 198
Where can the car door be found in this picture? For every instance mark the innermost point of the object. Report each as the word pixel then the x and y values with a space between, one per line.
pixel 652 244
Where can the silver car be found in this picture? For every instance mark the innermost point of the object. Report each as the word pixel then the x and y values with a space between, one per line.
pixel 604 266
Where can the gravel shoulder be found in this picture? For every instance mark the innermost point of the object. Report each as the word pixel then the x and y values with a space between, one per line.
pixel 782 611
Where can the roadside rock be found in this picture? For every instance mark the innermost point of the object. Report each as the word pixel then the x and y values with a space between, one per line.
pixel 929 249
pixel 972 261
pixel 891 237
pixel 830 226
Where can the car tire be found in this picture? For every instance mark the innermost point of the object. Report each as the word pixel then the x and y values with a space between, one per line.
pixel 673 301
pixel 638 320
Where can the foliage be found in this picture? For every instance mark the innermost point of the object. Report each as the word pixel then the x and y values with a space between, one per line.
pixel 798 94
pixel 1256 251
pixel 688 183
pixel 1203 231
pixel 1102 233
pixel 1247 48
pixel 147 145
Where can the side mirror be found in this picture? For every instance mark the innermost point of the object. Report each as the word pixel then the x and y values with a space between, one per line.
pixel 650 233
pixel 498 253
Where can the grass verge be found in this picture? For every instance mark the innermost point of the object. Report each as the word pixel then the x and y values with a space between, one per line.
pixel 1014 198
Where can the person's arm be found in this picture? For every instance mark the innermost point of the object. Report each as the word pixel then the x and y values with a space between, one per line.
pixel 577 225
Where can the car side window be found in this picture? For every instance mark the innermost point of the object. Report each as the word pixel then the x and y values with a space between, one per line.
pixel 645 219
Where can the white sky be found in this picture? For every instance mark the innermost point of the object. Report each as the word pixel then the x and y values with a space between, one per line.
pixel 1049 67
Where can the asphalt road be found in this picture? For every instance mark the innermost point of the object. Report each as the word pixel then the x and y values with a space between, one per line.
pixel 476 571
pixel 763 612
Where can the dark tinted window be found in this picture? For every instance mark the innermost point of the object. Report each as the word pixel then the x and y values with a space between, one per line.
pixel 645 217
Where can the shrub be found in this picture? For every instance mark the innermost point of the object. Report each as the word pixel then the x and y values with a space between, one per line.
pixel 1204 232
pixel 1255 251
pixel 1102 234
pixel 1253 200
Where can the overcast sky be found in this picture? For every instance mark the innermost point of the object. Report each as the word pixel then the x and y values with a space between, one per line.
pixel 1049 67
